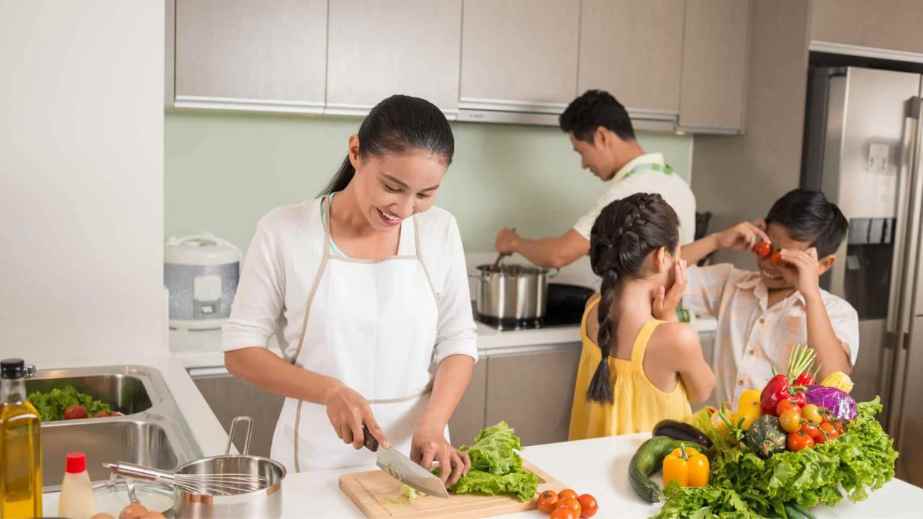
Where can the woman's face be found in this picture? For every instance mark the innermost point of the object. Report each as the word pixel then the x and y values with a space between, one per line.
pixel 393 186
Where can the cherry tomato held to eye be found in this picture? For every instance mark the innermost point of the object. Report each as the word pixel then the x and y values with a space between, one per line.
pixel 548 501
pixel 762 249
pixel 588 506
pixel 776 257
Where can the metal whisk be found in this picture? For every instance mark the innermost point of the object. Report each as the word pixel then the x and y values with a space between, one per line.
pixel 206 484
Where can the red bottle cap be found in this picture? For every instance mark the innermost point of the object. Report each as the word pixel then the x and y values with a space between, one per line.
pixel 76 462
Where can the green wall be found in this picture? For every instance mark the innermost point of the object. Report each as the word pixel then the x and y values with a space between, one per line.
pixel 225 170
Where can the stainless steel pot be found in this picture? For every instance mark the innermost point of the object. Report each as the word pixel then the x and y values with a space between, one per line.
pixel 262 499
pixel 512 295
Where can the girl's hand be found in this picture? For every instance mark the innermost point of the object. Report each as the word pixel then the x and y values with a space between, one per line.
pixel 665 301
pixel 743 236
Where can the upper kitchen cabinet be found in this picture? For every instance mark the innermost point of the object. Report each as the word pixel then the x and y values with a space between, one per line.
pixel 519 55
pixel 634 49
pixel 716 53
pixel 268 56
pixel 381 47
pixel 890 25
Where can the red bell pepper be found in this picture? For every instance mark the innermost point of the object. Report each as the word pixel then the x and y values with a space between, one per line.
pixel 775 390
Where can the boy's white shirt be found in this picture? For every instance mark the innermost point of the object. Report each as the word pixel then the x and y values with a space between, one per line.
pixel 752 339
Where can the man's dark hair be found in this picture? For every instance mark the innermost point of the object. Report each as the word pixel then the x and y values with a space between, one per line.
pixel 593 109
pixel 809 216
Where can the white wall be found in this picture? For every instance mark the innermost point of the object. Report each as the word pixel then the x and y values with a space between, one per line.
pixel 81 178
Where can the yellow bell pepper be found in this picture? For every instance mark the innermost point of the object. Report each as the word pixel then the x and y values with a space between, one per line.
pixel 839 380
pixel 687 467
pixel 748 407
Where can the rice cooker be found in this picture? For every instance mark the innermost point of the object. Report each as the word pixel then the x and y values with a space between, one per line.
pixel 201 274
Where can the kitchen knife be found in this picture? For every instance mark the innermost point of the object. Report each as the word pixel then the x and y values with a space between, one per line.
pixel 402 468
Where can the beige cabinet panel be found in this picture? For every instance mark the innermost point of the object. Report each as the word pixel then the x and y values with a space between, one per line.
pixel 533 392
pixel 715 65
pixel 633 49
pixel 468 419
pixel 169 55
pixel 268 55
pixel 229 396
pixel 375 52
pixel 883 24
pixel 519 54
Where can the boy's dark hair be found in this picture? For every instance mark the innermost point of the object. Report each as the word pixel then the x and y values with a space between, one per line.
pixel 623 235
pixel 593 109
pixel 809 216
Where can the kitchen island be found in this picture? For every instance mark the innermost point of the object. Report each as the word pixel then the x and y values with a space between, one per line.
pixel 598 467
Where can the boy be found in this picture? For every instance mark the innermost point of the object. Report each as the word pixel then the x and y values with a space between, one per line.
pixel 762 315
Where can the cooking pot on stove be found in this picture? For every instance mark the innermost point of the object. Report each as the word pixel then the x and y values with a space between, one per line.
pixel 511 295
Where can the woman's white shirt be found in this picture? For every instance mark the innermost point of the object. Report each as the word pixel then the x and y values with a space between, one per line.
pixel 283 260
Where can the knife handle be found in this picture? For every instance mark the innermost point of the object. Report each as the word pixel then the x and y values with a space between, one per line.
pixel 370 442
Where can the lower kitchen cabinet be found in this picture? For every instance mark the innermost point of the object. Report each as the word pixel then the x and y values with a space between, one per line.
pixel 229 396
pixel 533 391
pixel 468 418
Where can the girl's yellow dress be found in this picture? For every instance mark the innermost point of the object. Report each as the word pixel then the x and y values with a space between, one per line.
pixel 637 404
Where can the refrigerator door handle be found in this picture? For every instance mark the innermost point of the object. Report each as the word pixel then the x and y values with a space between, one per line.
pixel 903 233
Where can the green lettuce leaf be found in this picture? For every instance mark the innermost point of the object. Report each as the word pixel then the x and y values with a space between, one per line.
pixel 496 468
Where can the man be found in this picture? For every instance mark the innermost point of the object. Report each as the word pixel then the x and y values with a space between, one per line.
pixel 601 132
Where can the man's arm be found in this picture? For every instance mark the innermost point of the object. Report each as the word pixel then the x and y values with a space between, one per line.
pixel 545 252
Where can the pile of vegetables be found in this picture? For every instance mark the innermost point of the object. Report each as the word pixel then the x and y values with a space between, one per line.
pixel 67 403
pixel 786 448
pixel 496 468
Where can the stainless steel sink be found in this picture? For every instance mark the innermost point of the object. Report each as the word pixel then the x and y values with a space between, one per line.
pixel 152 432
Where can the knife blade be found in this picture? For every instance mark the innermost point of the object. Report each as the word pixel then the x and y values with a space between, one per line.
pixel 403 469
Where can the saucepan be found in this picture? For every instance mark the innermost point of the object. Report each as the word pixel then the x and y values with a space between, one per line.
pixel 512 294
pixel 239 486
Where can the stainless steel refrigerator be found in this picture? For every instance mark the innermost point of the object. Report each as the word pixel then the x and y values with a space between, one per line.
pixel 863 150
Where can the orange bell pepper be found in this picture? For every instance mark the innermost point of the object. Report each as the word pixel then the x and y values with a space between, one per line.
pixel 687 467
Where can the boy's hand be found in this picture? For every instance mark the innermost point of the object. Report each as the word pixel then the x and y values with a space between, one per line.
pixel 665 301
pixel 743 236
pixel 800 268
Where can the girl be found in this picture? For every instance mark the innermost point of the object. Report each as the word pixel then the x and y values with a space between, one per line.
pixel 635 368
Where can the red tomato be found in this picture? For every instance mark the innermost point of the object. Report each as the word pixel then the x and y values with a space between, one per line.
pixel 785 405
pixel 799 399
pixel 570 503
pixel 762 249
pixel 812 431
pixel 790 420
pixel 75 412
pixel 799 440
pixel 829 431
pixel 548 501
pixel 564 513
pixel 588 506
pixel 567 492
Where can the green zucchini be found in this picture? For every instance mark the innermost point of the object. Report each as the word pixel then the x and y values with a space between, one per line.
pixel 647 460
pixel 682 431
pixel 796 512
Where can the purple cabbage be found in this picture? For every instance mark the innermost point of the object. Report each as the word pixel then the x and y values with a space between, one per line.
pixel 838 403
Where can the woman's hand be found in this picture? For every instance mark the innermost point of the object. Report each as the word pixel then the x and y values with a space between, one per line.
pixel 348 411
pixel 429 444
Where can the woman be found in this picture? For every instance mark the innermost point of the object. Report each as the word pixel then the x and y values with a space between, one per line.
pixel 367 291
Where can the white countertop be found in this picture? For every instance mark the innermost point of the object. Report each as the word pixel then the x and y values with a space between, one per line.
pixel 598 467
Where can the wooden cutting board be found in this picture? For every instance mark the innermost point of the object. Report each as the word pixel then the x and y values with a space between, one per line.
pixel 377 494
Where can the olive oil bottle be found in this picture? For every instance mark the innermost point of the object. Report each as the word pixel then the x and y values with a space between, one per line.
pixel 20 447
